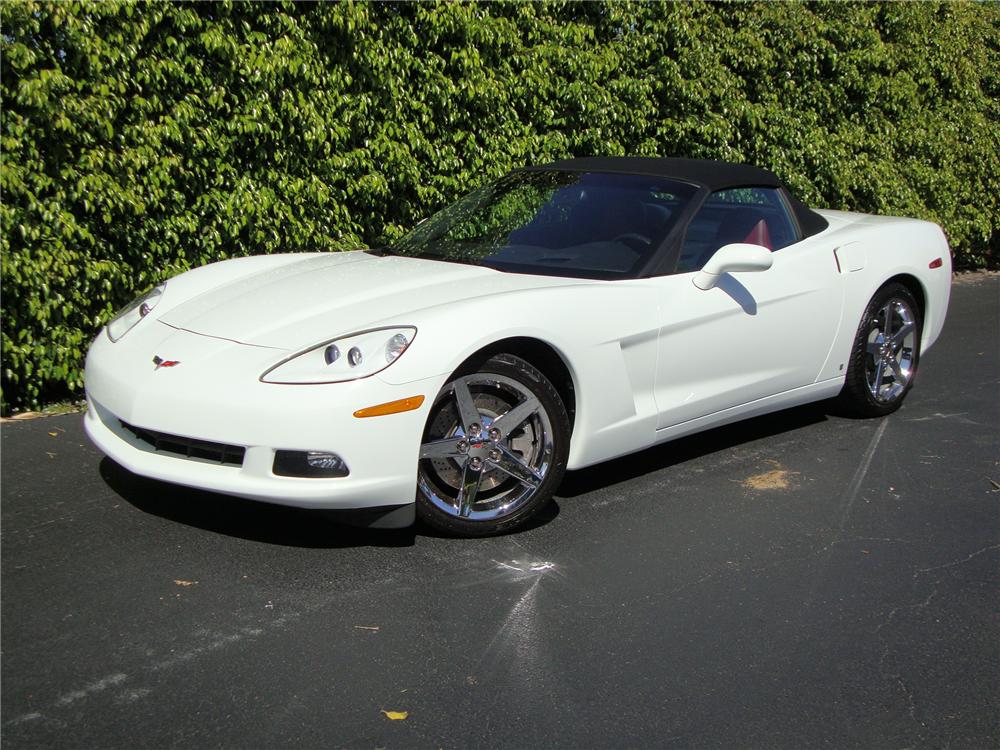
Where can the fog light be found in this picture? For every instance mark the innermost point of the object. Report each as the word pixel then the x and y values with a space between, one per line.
pixel 320 460
pixel 312 464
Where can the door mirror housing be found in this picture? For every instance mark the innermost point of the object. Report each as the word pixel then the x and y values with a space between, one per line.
pixel 739 256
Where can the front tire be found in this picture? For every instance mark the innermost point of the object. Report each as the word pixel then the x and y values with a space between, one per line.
pixel 885 355
pixel 494 449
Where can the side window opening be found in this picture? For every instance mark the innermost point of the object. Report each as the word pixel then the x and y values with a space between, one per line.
pixel 755 215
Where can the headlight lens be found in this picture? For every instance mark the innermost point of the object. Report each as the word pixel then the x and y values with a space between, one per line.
pixel 133 312
pixel 347 358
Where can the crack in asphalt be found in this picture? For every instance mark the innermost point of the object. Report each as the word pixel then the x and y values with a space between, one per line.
pixel 896 677
pixel 962 561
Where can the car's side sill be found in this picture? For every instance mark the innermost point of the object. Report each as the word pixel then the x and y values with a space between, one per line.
pixel 795 397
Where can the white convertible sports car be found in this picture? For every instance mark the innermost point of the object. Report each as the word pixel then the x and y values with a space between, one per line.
pixel 558 317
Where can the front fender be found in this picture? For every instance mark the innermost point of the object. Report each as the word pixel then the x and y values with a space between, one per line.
pixel 605 333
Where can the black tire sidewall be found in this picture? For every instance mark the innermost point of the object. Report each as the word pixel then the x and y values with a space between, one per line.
pixel 510 366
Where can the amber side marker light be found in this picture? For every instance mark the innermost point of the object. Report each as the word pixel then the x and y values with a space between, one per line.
pixel 936 263
pixel 393 407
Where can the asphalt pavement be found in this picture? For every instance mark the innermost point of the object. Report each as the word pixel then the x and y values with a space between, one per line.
pixel 802 580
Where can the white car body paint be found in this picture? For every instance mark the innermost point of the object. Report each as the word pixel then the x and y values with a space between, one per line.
pixel 650 359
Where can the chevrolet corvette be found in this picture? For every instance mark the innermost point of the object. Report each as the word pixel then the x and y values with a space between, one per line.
pixel 555 318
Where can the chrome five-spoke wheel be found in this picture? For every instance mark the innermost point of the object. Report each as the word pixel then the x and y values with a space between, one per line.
pixel 886 351
pixel 891 339
pixel 493 448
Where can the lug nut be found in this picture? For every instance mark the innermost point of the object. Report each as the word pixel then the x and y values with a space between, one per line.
pixel 475 429
pixel 476 463
pixel 494 455
pixel 494 434
pixel 463 446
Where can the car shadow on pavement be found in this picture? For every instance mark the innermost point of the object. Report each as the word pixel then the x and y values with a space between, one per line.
pixel 299 527
pixel 684 449
pixel 246 519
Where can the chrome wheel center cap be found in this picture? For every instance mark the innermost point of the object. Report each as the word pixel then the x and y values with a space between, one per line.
pixel 478 449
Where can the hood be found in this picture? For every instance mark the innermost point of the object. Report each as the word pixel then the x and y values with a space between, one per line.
pixel 301 303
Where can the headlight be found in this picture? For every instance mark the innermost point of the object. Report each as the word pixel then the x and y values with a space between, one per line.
pixel 133 312
pixel 347 358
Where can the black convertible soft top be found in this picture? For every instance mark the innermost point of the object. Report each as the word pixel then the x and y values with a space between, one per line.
pixel 715 175
pixel 707 173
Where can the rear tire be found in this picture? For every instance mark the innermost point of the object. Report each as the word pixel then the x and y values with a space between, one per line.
pixel 494 449
pixel 886 351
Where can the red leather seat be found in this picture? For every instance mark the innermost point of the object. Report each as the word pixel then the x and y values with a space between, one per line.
pixel 743 224
pixel 759 235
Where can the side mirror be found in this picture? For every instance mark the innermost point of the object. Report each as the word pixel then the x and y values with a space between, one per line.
pixel 738 256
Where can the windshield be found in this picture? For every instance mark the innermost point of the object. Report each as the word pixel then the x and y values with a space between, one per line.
pixel 586 224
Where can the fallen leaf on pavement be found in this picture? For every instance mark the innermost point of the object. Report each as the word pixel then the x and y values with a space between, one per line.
pixel 395 715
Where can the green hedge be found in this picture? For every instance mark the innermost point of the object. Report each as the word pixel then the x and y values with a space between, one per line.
pixel 139 140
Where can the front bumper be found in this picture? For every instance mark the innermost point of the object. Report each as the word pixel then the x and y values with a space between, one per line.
pixel 215 395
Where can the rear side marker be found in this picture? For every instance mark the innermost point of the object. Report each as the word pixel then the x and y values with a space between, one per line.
pixel 393 407
pixel 936 263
